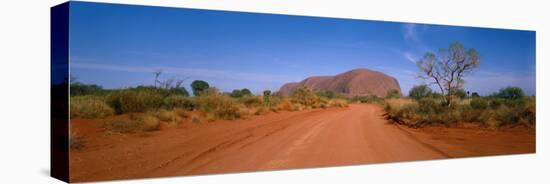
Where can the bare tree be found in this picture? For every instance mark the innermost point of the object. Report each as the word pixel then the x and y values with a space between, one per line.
pixel 448 68
pixel 157 75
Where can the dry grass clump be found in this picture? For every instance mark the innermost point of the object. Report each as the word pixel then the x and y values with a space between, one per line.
pixel 89 107
pixel 217 106
pixel 168 116
pixel 485 111
pixel 285 105
pixel 142 122
pixel 338 103
pixel 134 100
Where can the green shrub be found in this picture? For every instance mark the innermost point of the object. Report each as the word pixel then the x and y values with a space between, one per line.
pixel 460 93
pixel 306 97
pixel 429 105
pixel 510 93
pixel 80 89
pixel 420 91
pixel 474 113
pixel 177 101
pixel 240 93
pixel 393 94
pixel 479 103
pixel 366 99
pixel 129 100
pixel 492 112
pixel 216 106
pixel 89 107
pixel 267 97
pixel 250 101
pixel 199 86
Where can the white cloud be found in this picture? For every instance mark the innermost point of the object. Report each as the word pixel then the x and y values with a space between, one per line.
pixel 410 57
pixel 410 32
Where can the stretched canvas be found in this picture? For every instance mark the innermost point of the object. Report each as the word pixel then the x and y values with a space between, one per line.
pixel 144 91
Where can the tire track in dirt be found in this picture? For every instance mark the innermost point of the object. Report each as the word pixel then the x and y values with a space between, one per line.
pixel 313 138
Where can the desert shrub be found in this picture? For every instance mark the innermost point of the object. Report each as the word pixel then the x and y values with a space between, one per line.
pixel 330 95
pixel 121 126
pixel 181 112
pixel 216 106
pixel 521 113
pixel 495 103
pixel 298 107
pixel 307 98
pixel 142 122
pixel 149 123
pixel 168 116
pixel 460 93
pixel 267 97
pixel 238 93
pixel 366 99
pixel 285 105
pixel 129 100
pixel 163 91
pixel 250 101
pixel 420 91
pixel 89 107
pixel 177 101
pixel 338 103
pixel 510 93
pixel 474 113
pixel 475 94
pixel 476 110
pixel 393 94
pixel 400 109
pixel 435 95
pixel 429 105
pixel 80 89
pixel 198 86
pixel 479 103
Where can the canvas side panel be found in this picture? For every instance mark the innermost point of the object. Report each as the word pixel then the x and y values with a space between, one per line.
pixel 59 104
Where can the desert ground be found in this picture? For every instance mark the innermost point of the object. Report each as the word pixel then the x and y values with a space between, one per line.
pixel 358 134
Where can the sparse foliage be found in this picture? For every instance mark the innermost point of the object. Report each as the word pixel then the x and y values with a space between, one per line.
pixel 448 69
pixel 199 86
pixel 420 91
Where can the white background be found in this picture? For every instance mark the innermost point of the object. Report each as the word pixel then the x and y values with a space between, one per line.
pixel 24 90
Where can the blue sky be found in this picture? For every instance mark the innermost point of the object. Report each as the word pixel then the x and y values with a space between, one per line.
pixel 119 46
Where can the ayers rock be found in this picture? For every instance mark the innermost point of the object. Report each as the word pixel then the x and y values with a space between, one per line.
pixel 357 82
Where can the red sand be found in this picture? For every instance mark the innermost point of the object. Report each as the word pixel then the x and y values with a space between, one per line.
pixel 313 138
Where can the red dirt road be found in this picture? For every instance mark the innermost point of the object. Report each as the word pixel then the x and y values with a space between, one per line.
pixel 314 138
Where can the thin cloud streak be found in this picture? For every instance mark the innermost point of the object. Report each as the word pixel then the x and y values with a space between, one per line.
pixel 194 72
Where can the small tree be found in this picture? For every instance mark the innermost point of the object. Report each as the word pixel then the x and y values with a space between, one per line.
pixel 267 97
pixel 157 75
pixel 510 93
pixel 448 68
pixel 199 86
pixel 420 91
pixel 246 92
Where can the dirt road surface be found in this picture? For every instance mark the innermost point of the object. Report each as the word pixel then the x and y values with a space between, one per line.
pixel 357 134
